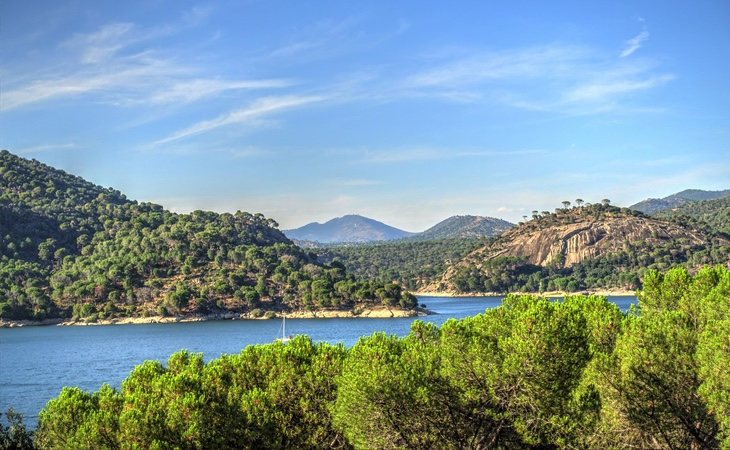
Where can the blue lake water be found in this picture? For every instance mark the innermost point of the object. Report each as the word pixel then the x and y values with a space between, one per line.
pixel 36 362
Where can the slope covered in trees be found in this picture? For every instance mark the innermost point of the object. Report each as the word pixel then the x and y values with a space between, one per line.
pixel 412 264
pixel 589 247
pixel 532 373
pixel 457 227
pixel 657 205
pixel 714 213
pixel 73 249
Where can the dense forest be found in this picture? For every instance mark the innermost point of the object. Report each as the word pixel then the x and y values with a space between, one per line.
pixel 532 373
pixel 658 245
pixel 420 265
pixel 71 249
pixel 715 214
pixel 411 263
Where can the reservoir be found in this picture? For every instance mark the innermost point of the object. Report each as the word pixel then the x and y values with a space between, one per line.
pixel 36 362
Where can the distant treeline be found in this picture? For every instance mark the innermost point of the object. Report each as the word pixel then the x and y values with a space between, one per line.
pixel 532 373
pixel 416 265
pixel 412 264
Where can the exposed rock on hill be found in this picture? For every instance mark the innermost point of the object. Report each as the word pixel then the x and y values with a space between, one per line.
pixel 568 244
pixel 590 246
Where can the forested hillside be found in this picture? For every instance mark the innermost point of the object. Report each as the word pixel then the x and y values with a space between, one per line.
pixel 588 247
pixel 459 227
pixel 413 264
pixel 531 374
pixel 657 205
pixel 714 213
pixel 70 248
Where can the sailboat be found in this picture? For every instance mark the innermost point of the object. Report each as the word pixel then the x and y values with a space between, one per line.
pixel 284 338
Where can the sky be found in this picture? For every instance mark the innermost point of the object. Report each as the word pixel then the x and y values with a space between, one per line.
pixel 407 112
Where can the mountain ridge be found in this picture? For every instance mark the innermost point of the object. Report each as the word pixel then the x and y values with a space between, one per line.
pixel 357 229
pixel 465 226
pixel 350 228
pixel 656 205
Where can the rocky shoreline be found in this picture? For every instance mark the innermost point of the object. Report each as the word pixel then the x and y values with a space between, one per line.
pixel 381 313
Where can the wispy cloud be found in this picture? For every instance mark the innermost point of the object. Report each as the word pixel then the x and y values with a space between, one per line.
pixel 191 90
pixel 104 43
pixel 634 44
pixel 120 65
pixel 44 148
pixel 604 90
pixel 354 182
pixel 535 62
pixel 428 154
pixel 246 152
pixel 258 109
pixel 320 39
pixel 549 78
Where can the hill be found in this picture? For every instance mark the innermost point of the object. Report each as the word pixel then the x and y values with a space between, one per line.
pixel 655 205
pixel 347 229
pixel 465 227
pixel 714 213
pixel 71 249
pixel 411 263
pixel 415 261
pixel 596 246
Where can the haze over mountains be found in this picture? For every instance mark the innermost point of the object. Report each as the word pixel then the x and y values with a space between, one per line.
pixel 358 229
pixel 349 228
pixel 655 205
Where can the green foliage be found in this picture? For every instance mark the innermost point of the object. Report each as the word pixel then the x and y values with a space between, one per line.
pixel 412 264
pixel 268 396
pixel 14 435
pixel 714 214
pixel 662 386
pixel 532 373
pixel 620 269
pixel 68 248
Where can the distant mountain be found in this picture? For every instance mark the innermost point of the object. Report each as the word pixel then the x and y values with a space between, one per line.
pixel 351 228
pixel 713 213
pixel 465 227
pixel 655 205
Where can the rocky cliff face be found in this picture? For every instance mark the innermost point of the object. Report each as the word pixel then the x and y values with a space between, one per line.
pixel 569 244
pixel 571 237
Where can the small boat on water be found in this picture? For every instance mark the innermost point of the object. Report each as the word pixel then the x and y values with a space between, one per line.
pixel 284 338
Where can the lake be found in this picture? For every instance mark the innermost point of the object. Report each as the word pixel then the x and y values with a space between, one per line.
pixel 36 362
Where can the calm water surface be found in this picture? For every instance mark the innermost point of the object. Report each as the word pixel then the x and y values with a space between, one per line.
pixel 36 362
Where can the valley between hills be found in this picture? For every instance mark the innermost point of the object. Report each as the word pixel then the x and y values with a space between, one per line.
pixel 75 252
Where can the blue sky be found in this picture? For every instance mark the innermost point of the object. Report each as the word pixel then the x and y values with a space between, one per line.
pixel 407 112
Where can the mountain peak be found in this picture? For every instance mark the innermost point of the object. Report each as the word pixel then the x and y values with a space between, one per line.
pixel 463 226
pixel 351 228
pixel 655 205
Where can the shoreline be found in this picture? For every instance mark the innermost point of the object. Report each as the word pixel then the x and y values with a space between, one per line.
pixel 601 292
pixel 379 313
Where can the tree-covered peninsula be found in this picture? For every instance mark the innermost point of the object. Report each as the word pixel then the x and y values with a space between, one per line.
pixel 71 249
pixel 530 374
